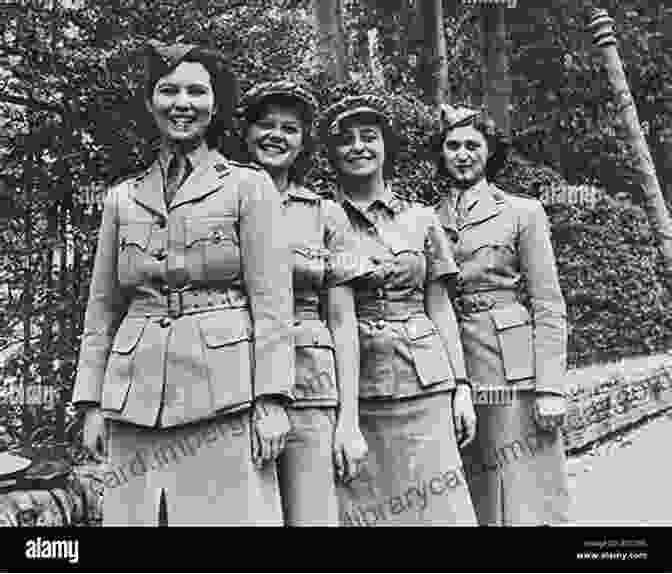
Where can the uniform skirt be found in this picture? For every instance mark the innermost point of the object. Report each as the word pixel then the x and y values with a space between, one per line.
pixel 193 475
pixel 413 472
pixel 516 472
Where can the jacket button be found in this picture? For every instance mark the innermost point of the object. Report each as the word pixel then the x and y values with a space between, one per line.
pixel 380 324
pixel 159 254
pixel 164 289
pixel 160 222
pixel 165 322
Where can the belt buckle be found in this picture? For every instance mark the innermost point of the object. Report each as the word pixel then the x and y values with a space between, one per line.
pixel 498 396
pixel 179 293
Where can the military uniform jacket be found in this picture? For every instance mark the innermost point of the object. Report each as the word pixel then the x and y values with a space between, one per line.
pixel 402 353
pixel 190 307
pixel 322 245
pixel 502 243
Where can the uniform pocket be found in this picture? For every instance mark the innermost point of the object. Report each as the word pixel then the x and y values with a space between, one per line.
pixel 315 361
pixel 120 368
pixel 211 247
pixel 515 335
pixel 134 240
pixel 429 354
pixel 227 347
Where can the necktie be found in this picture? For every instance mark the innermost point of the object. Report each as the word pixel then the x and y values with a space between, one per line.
pixel 177 171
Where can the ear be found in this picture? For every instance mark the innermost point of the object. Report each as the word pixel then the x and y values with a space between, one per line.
pixel 148 106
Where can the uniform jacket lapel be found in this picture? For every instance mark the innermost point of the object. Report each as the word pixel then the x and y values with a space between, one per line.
pixel 486 206
pixel 148 190
pixel 204 180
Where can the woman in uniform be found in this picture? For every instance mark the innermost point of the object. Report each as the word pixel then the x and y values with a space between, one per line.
pixel 187 351
pixel 324 443
pixel 414 399
pixel 515 356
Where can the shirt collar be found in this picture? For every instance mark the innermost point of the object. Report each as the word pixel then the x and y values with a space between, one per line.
pixel 298 192
pixel 195 156
pixel 387 200
pixel 471 196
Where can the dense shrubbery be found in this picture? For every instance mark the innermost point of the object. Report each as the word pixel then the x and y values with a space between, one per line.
pixel 607 262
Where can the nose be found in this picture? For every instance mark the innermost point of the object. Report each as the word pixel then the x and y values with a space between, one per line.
pixel 357 143
pixel 182 99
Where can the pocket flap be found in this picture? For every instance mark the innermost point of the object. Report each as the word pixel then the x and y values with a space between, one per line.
pixel 135 233
pixel 313 334
pixel 510 316
pixel 420 327
pixel 224 328
pixel 128 334
pixel 208 229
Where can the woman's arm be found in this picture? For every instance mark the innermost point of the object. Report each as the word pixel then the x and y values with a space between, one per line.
pixel 104 311
pixel 267 273
pixel 537 263
pixel 349 444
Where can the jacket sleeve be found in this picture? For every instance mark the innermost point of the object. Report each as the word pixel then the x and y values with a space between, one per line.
pixel 104 310
pixel 267 272
pixel 547 302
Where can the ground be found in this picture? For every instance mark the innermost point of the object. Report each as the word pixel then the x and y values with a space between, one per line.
pixel 626 480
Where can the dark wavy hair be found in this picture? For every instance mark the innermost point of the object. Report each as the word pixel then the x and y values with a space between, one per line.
pixel 224 84
pixel 498 143
pixel 251 113
pixel 380 117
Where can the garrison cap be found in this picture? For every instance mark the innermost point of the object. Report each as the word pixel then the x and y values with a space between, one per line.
pixel 454 117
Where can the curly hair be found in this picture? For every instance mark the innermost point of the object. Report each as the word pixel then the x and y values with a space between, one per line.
pixel 370 107
pixel 480 120
pixel 285 94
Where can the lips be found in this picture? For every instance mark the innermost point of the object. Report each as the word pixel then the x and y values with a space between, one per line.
pixel 182 122
pixel 271 147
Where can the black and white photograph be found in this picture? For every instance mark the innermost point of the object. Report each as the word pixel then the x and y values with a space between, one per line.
pixel 337 263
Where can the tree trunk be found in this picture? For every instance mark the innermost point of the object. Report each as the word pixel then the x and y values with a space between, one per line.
pixel 331 40
pixel 496 77
pixel 432 69
pixel 629 128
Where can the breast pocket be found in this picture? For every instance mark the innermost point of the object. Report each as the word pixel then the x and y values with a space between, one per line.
pixel 211 248
pixel 134 240
pixel 228 354
pixel 515 336
pixel 309 266
pixel 429 354
pixel 120 369
pixel 315 361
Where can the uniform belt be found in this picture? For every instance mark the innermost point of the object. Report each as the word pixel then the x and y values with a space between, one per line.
pixel 187 302
pixel 390 310
pixel 306 310
pixel 468 303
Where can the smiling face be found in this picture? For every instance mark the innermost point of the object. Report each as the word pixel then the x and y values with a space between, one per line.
pixel 359 150
pixel 183 103
pixel 275 137
pixel 465 154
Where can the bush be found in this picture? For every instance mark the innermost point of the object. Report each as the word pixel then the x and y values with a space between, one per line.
pixel 607 261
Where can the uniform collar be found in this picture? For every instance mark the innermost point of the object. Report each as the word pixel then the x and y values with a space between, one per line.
pixel 387 200
pixel 195 156
pixel 296 192
pixel 477 204
pixel 209 170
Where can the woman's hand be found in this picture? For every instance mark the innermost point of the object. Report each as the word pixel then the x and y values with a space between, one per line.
pixel 549 411
pixel 350 449
pixel 464 416
pixel 270 427
pixel 95 433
